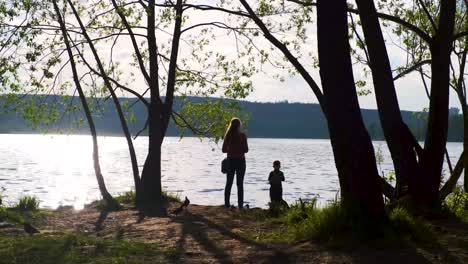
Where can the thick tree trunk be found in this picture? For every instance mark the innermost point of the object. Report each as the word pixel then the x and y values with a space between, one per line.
pixel 160 112
pixel 97 167
pixel 403 155
pixel 151 174
pixel 352 146
pixel 436 139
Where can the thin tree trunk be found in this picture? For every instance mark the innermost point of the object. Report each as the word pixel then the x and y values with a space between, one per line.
pixel 461 92
pixel 453 179
pixel 403 155
pixel 115 99
pixel 352 146
pixel 436 139
pixel 97 168
pixel 465 141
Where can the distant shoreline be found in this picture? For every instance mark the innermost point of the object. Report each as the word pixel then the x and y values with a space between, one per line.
pixel 175 136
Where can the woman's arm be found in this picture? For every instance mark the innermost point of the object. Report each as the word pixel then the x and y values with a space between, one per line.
pixel 245 145
pixel 225 146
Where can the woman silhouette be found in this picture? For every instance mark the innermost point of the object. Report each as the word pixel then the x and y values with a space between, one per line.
pixel 235 145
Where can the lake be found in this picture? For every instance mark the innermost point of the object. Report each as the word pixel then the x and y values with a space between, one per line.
pixel 58 169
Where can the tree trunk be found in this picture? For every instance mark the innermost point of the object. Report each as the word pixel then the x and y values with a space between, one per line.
pixel 115 99
pixel 436 139
pixel 403 155
pixel 465 143
pixel 352 147
pixel 160 113
pixel 97 167
pixel 151 174
pixel 453 179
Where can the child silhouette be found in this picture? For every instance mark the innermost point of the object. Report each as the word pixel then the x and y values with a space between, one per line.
pixel 275 179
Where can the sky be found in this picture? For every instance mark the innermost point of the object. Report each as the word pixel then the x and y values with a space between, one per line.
pixel 267 88
pixel 410 89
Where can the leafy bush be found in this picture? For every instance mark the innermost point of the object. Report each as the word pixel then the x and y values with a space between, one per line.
pixel 28 203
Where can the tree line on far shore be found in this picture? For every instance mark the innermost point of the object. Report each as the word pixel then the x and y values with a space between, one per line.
pixel 265 120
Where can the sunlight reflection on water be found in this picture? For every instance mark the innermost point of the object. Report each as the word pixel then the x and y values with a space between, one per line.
pixel 59 170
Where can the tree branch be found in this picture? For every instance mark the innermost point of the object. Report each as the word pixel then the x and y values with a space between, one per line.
pixel 134 42
pixel 412 68
pixel 284 49
pixel 171 77
pixel 431 20
pixel 423 35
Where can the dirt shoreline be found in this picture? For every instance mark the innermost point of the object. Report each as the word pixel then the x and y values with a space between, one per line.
pixel 214 234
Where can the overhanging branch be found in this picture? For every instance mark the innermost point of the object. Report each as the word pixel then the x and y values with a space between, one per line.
pixel 423 35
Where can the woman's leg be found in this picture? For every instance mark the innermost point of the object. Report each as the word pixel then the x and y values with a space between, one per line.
pixel 240 183
pixel 229 181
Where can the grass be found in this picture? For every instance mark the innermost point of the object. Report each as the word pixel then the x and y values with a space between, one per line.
pixel 71 248
pixel 28 203
pixel 25 210
pixel 419 230
pixel 172 197
pixel 11 216
pixel 457 204
pixel 307 220
pixel 330 224
pixel 302 220
pixel 129 197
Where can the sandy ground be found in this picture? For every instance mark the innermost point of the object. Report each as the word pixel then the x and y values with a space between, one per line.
pixel 211 234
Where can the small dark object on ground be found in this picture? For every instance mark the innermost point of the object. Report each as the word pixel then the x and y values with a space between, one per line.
pixel 182 206
pixel 31 230
pixel 247 206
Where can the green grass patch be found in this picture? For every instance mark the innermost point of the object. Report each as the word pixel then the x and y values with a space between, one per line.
pixel 28 203
pixel 11 216
pixel 302 220
pixel 457 204
pixel 172 197
pixel 70 248
pixel 332 225
pixel 404 223
pixel 18 217
pixel 307 220
pixel 129 197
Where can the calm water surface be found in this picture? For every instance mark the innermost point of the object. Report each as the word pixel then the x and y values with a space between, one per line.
pixel 59 169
